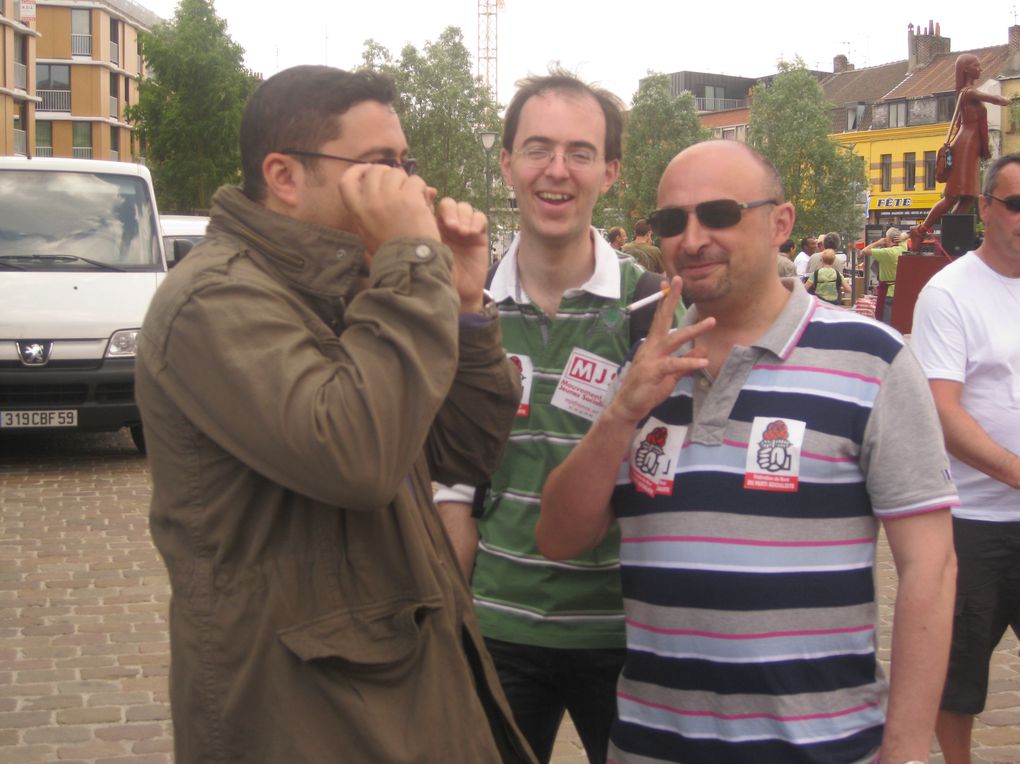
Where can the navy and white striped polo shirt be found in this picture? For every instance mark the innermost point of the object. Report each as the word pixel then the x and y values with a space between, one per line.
pixel 750 602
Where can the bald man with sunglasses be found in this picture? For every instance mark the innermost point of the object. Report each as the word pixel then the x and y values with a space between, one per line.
pixel 748 458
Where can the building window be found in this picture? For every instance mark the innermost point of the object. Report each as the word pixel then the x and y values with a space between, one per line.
pixel 20 57
pixel 945 106
pixel 114 41
pixel 81 140
pixel 43 138
pixel 909 170
pixel 929 170
pixel 729 133
pixel 713 97
pixel 53 85
pixel 886 172
pixel 81 32
pixel 898 114
pixel 114 142
pixel 21 129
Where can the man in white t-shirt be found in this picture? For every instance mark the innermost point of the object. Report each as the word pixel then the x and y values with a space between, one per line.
pixel 807 248
pixel 965 335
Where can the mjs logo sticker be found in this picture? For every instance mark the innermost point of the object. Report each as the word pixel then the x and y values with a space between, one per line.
pixel 773 454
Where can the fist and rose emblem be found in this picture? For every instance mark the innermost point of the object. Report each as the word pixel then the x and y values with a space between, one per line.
pixel 774 448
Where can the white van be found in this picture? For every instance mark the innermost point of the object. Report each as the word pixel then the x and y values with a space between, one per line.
pixel 80 257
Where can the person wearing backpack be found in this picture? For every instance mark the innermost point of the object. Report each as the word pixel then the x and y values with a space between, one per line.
pixel 827 283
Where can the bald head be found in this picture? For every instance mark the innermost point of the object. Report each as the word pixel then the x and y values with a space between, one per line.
pixel 753 167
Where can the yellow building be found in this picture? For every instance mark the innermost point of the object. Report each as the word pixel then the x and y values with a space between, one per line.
pixel 901 132
pixel 17 62
pixel 78 64
pixel 901 171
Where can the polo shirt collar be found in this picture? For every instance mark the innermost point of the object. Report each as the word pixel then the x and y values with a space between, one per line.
pixel 604 280
pixel 782 337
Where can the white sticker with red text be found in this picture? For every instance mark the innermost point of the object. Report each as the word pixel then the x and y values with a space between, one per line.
pixel 773 454
pixel 584 383
pixel 527 371
pixel 654 454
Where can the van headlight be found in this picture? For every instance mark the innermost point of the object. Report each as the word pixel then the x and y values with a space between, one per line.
pixel 123 344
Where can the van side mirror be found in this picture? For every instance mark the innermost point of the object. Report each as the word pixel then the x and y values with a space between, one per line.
pixel 181 248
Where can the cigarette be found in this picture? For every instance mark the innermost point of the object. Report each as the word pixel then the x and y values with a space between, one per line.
pixel 652 298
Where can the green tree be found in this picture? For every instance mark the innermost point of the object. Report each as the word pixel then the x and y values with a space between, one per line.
pixel 443 108
pixel 189 111
pixel 659 126
pixel 790 124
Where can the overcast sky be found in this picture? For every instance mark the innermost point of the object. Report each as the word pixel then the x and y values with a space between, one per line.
pixel 614 44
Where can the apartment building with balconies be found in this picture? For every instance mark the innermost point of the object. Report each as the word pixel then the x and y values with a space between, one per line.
pixel 17 63
pixel 87 69
pixel 68 70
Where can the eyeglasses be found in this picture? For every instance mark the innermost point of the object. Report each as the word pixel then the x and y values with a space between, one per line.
pixel 410 166
pixel 718 213
pixel 1011 203
pixel 540 157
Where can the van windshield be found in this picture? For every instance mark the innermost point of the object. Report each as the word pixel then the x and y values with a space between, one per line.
pixel 76 221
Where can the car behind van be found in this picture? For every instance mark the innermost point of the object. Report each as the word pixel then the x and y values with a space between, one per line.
pixel 80 258
pixel 180 234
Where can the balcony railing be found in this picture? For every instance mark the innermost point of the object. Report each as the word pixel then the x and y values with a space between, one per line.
pixel 113 106
pixel 719 104
pixel 20 76
pixel 20 142
pixel 114 52
pixel 81 44
pixel 81 152
pixel 115 155
pixel 54 100
pixel 44 151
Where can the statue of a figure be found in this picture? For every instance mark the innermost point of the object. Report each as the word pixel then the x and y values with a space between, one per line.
pixel 968 138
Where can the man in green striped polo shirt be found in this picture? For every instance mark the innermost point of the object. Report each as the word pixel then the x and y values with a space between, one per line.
pixel 555 630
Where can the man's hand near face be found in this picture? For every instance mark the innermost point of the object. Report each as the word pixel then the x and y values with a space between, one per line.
pixel 387 204
pixel 465 231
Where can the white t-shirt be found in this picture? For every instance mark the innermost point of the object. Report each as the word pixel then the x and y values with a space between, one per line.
pixel 966 330
pixel 800 263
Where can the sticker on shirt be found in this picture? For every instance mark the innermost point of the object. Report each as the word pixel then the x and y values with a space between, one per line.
pixel 527 371
pixel 773 454
pixel 583 384
pixel 653 456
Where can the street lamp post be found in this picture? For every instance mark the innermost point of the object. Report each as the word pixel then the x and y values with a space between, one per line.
pixel 488 138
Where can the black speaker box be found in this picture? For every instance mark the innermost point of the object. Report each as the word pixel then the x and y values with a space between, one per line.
pixel 958 234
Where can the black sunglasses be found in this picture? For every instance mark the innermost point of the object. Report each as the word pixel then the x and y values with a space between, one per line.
pixel 718 213
pixel 1011 203
pixel 410 166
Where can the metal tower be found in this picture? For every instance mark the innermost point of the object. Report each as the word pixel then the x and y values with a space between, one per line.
pixel 488 37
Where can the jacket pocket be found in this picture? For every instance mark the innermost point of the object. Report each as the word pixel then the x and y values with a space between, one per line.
pixel 372 636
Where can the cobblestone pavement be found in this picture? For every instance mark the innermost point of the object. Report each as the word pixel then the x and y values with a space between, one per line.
pixel 83 596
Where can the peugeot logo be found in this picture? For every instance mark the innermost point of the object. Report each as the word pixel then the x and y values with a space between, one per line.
pixel 34 353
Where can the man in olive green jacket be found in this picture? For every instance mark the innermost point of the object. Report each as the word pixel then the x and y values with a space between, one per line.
pixel 303 375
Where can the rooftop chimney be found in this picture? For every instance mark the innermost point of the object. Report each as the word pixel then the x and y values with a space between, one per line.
pixel 1012 67
pixel 840 63
pixel 925 45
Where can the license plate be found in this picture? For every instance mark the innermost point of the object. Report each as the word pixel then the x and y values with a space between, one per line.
pixel 45 418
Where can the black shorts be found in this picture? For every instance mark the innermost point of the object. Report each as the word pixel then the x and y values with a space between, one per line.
pixel 987 602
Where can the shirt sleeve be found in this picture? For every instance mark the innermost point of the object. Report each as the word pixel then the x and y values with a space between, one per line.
pixel 938 338
pixel 903 455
